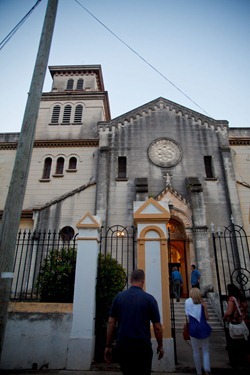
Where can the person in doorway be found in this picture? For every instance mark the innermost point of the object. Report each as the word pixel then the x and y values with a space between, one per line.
pixel 177 283
pixel 133 310
pixel 199 330
pixel 195 277
pixel 238 350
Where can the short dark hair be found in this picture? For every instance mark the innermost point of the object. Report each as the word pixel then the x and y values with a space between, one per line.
pixel 194 266
pixel 137 275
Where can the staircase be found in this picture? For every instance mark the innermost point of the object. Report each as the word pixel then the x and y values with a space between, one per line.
pixel 180 317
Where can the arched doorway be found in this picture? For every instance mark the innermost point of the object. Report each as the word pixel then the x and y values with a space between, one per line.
pixel 178 251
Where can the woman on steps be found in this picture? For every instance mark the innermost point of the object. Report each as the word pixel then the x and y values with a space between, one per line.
pixel 199 330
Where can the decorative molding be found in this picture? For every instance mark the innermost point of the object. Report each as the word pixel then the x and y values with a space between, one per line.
pixel 54 143
pixel 164 104
pixel 165 152
pixel 241 141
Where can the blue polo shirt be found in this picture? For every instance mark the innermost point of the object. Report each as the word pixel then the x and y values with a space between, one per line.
pixel 195 275
pixel 134 309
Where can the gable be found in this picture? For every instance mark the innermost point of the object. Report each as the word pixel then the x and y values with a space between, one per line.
pixel 162 103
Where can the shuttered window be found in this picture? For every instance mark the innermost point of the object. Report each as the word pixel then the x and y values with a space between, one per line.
pixel 79 85
pixel 70 84
pixel 78 114
pixel 122 167
pixel 208 166
pixel 59 165
pixel 67 114
pixel 72 163
pixel 47 168
pixel 55 114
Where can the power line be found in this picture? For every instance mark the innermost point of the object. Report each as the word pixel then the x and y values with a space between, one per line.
pixel 13 31
pixel 141 57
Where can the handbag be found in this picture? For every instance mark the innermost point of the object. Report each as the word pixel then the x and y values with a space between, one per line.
pixel 185 331
pixel 240 330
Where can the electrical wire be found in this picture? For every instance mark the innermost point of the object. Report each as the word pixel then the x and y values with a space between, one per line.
pixel 13 31
pixel 141 57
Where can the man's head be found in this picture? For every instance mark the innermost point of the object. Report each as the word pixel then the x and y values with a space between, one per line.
pixel 193 266
pixel 137 277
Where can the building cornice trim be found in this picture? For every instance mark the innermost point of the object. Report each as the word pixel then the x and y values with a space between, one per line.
pixel 54 143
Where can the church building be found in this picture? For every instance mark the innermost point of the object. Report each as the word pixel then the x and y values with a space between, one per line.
pixel 160 154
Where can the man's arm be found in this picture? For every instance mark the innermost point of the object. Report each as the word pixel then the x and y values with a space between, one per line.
pixel 109 338
pixel 158 335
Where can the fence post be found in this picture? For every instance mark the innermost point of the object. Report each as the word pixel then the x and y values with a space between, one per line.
pixel 82 338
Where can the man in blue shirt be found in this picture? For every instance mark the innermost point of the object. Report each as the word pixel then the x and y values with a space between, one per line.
pixel 133 310
pixel 177 283
pixel 195 277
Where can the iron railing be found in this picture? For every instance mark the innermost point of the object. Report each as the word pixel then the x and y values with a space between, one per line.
pixel 32 248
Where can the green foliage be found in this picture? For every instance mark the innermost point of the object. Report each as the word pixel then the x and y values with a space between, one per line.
pixel 111 279
pixel 56 278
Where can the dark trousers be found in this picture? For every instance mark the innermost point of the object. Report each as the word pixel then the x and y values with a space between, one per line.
pixel 135 357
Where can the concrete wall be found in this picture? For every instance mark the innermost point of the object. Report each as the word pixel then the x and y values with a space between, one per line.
pixel 37 333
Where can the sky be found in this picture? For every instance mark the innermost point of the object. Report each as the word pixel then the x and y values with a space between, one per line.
pixel 197 53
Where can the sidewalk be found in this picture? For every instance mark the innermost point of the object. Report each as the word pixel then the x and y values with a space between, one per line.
pixel 185 364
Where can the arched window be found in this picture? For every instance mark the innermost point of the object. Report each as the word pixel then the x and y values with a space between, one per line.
pixel 59 165
pixel 55 114
pixel 79 85
pixel 67 114
pixel 78 114
pixel 70 84
pixel 47 168
pixel 72 163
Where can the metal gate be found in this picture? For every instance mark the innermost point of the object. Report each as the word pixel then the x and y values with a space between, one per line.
pixel 232 260
pixel 115 263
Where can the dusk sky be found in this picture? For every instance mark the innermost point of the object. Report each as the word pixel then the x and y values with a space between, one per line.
pixel 201 46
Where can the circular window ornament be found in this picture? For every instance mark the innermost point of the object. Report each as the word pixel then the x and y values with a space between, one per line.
pixel 164 152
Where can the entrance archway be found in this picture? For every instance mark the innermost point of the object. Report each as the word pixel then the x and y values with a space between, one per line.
pixel 178 251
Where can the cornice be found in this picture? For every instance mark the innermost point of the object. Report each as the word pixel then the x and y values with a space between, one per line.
pixel 162 103
pixel 54 143
pixel 240 141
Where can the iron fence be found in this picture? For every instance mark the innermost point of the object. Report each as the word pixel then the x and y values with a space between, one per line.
pixel 32 251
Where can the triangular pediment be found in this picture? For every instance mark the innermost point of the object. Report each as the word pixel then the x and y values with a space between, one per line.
pixel 150 210
pixel 88 221
pixel 179 207
pixel 162 103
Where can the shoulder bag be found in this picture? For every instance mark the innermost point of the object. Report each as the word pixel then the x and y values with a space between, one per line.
pixel 240 330
pixel 185 330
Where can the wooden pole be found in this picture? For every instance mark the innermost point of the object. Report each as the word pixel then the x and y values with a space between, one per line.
pixel 14 202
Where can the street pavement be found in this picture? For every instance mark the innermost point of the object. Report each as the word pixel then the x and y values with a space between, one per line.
pixel 218 356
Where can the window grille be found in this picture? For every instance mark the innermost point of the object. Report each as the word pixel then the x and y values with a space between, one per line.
pixel 79 85
pixel 55 114
pixel 122 167
pixel 78 114
pixel 72 163
pixel 59 165
pixel 67 114
pixel 208 166
pixel 70 84
pixel 47 168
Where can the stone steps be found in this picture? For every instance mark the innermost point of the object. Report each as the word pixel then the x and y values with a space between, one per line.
pixel 180 318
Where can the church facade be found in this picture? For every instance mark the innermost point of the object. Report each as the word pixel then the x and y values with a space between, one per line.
pixel 85 162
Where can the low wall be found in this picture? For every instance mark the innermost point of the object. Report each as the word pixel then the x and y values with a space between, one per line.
pixel 37 334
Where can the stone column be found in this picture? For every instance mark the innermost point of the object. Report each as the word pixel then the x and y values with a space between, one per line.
pixel 200 231
pixel 82 339
pixel 103 172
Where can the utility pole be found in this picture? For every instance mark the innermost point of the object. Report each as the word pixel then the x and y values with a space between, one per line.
pixel 14 202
